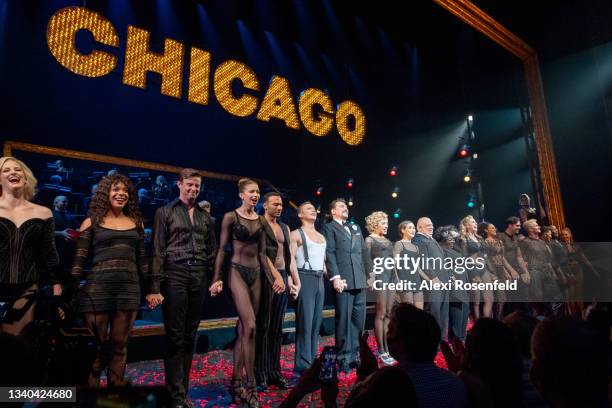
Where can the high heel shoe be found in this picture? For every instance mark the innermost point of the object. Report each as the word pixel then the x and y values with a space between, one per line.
pixel 251 397
pixel 237 391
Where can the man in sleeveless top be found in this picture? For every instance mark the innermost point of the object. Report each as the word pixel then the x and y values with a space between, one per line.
pixel 348 265
pixel 184 250
pixel 272 308
pixel 308 247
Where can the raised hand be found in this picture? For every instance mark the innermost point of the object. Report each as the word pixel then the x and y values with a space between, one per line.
pixel 454 356
pixel 368 363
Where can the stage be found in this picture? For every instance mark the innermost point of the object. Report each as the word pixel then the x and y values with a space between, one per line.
pixel 211 373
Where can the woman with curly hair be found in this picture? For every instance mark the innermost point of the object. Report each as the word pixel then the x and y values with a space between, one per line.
pixel 114 236
pixel 380 248
pixel 459 307
pixel 27 245
pixel 472 245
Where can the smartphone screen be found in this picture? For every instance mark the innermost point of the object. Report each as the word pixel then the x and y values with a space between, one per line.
pixel 329 368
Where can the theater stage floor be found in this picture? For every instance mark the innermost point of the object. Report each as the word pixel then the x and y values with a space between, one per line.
pixel 211 372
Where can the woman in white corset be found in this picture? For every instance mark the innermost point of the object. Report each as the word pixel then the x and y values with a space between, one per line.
pixel 308 247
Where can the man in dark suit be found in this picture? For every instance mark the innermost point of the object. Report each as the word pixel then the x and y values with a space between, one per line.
pixel 436 300
pixel 272 307
pixel 348 266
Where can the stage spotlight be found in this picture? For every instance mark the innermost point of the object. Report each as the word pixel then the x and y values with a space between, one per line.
pixel 350 182
pixel 319 191
pixel 395 192
pixel 470 118
pixel 468 176
pixel 393 171
pixel 319 209
pixel 464 151
pixel 471 203
pixel 475 156
pixel 396 213
pixel 350 202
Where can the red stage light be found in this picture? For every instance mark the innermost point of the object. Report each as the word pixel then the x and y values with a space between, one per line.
pixel 464 151
pixel 393 171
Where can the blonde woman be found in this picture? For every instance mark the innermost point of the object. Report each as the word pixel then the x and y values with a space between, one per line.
pixel 405 248
pixel 27 245
pixel 380 248
pixel 472 245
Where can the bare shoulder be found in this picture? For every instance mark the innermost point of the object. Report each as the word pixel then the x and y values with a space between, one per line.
pixel 86 224
pixel 295 236
pixel 39 211
pixel 229 216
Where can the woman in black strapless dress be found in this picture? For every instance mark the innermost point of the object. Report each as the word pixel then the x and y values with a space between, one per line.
pixel 243 228
pixel 27 246
pixel 113 237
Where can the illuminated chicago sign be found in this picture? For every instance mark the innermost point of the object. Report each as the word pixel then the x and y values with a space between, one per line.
pixel 315 110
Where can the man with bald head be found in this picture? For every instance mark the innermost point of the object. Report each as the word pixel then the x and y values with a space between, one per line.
pixel 432 266
pixel 64 222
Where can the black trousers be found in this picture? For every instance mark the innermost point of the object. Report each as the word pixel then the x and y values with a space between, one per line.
pixel 308 319
pixel 458 320
pixel 436 303
pixel 183 292
pixel 269 332
pixel 350 321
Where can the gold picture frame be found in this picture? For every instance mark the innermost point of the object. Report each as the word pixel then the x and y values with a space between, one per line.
pixel 476 18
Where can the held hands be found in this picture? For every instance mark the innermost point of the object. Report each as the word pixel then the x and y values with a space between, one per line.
pixel 526 278
pixel 370 282
pixel 57 291
pixel 216 288
pixel 339 285
pixel 154 300
pixel 279 285
pixel 294 290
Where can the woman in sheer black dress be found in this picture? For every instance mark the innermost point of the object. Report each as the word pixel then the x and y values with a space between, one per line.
pixel 243 228
pixel 497 263
pixel 113 236
pixel 405 249
pixel 472 245
pixel 578 264
pixel 27 246
pixel 379 247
